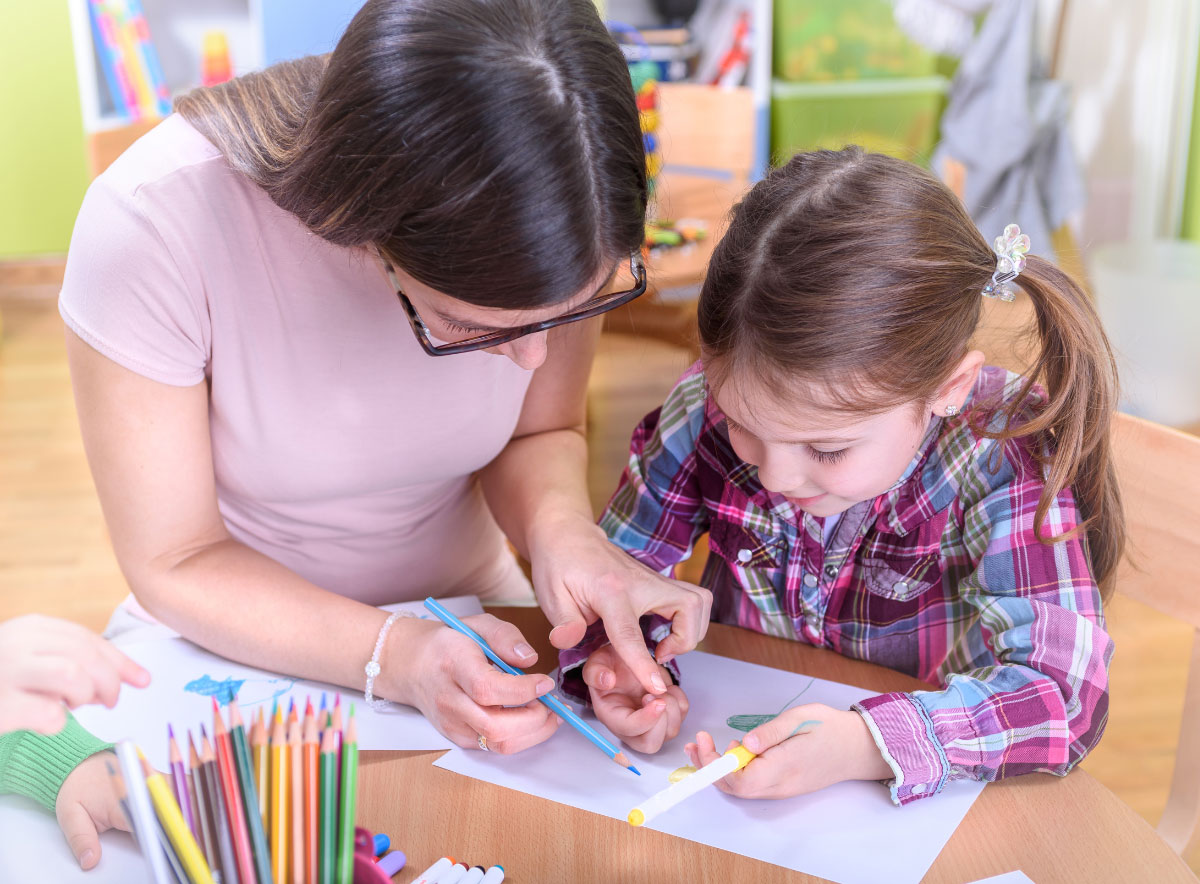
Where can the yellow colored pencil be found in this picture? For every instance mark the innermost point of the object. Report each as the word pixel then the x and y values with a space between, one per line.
pixel 262 767
pixel 173 823
pixel 280 782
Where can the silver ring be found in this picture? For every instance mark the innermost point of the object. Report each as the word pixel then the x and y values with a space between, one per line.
pixel 481 740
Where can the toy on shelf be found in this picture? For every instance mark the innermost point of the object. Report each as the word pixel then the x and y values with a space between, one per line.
pixel 128 59
pixel 215 66
pixel 662 233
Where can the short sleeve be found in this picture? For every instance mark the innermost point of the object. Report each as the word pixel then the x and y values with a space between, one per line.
pixel 125 296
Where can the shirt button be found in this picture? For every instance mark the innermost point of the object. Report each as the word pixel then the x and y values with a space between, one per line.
pixel 831 571
pixel 901 587
pixel 744 555
pixel 918 789
pixel 810 580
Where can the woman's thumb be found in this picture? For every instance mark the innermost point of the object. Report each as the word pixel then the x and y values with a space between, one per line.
pixel 80 831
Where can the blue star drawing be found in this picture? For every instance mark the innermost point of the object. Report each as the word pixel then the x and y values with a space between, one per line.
pixel 257 690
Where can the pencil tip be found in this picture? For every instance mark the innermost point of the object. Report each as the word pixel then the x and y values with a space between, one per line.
pixel 170 732
pixel 635 770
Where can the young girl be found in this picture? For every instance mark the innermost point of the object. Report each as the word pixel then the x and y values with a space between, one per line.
pixel 869 486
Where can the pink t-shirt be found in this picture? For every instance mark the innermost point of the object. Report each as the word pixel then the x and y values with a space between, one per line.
pixel 341 449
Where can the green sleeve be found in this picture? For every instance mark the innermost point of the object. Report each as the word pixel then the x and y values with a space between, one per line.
pixel 35 765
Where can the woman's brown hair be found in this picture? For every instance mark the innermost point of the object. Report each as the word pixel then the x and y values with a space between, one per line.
pixel 862 274
pixel 491 149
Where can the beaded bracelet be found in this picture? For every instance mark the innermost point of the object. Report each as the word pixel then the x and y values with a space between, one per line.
pixel 372 668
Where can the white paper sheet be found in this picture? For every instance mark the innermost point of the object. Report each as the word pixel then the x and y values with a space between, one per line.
pixel 1006 878
pixel 31 846
pixel 849 833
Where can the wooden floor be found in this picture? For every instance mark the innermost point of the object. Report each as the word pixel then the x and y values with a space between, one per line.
pixel 55 557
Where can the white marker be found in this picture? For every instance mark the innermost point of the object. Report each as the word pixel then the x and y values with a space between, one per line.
pixel 435 871
pixel 453 875
pixel 474 876
pixel 735 759
pixel 494 875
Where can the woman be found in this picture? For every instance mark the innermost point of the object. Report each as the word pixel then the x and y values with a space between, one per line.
pixel 323 342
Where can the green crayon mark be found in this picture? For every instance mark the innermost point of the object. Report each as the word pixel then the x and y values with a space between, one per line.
pixel 747 723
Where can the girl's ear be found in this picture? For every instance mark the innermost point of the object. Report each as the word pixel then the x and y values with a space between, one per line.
pixel 953 394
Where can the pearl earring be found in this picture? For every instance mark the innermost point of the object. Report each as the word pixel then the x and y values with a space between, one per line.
pixel 951 410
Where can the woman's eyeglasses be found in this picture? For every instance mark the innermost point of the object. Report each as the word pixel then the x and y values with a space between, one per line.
pixel 594 307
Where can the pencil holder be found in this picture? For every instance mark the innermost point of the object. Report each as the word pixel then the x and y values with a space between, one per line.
pixel 366 870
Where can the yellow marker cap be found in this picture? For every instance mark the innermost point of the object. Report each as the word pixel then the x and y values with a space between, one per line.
pixel 743 755
pixel 636 817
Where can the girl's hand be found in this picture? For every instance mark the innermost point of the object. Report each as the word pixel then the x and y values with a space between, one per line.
pixel 447 677
pixel 580 577
pixel 46 663
pixel 87 805
pixel 643 721
pixel 805 749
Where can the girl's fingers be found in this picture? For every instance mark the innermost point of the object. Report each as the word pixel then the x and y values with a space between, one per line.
pixel 55 676
pixel 23 710
pixel 128 671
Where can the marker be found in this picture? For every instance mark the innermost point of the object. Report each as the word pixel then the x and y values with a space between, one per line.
pixel 141 813
pixel 431 874
pixel 549 700
pixel 453 875
pixel 392 862
pixel 382 843
pixel 473 876
pixel 735 759
pixel 494 875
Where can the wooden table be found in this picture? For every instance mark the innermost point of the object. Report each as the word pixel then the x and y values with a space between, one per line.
pixel 1055 830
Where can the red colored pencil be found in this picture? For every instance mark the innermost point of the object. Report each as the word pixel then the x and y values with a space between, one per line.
pixel 311 794
pixel 233 799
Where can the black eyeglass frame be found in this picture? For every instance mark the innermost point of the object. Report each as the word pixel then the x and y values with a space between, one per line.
pixel 599 305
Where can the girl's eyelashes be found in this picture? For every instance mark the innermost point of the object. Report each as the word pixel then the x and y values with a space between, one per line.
pixel 828 456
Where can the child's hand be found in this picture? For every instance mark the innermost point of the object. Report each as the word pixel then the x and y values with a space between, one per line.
pixel 642 720
pixel 804 749
pixel 87 805
pixel 46 662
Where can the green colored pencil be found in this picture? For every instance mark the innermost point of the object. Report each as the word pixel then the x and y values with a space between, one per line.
pixel 245 772
pixel 328 810
pixel 349 794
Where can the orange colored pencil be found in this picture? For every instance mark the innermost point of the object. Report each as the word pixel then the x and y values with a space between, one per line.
pixel 296 809
pixel 233 799
pixel 311 793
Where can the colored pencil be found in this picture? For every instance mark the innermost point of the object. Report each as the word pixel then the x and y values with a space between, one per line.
pixel 241 757
pixel 179 780
pixel 328 834
pixel 222 833
pixel 262 768
pixel 175 825
pixel 280 781
pixel 291 716
pixel 312 795
pixel 204 823
pixel 234 804
pixel 296 804
pixel 349 796
pixel 556 705
pixel 140 812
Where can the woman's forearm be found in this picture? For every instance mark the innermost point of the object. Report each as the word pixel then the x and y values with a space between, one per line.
pixel 240 604
pixel 536 484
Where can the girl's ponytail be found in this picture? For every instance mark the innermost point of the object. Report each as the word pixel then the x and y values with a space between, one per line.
pixel 1076 365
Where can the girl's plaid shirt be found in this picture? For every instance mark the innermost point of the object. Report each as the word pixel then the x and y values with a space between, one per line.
pixel 942 578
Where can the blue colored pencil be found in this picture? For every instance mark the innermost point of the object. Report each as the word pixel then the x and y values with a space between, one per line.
pixel 555 704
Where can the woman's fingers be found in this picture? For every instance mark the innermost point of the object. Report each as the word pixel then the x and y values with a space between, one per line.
pixel 503 638
pixel 689 622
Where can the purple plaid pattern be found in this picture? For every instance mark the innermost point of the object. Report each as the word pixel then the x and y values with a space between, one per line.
pixel 941 577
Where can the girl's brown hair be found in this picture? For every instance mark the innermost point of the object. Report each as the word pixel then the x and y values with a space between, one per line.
pixel 491 149
pixel 862 275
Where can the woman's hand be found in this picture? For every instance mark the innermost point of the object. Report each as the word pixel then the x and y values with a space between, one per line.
pixel 802 750
pixel 87 805
pixel 643 721
pixel 46 663
pixel 447 677
pixel 580 577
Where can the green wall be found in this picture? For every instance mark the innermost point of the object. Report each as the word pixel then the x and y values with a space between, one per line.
pixel 1191 199
pixel 43 171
